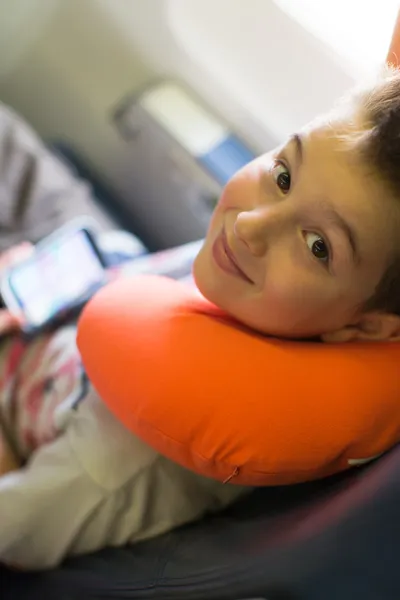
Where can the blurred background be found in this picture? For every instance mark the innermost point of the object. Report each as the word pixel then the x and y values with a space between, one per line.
pixel 250 72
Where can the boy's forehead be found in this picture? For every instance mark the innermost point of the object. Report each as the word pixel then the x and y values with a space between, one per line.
pixel 332 155
pixel 338 137
pixel 335 169
pixel 329 152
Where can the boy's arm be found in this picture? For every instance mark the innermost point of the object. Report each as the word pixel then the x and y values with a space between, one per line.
pixel 97 485
pixel 66 500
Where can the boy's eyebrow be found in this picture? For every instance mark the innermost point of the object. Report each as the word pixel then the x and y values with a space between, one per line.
pixel 330 212
pixel 296 140
pixel 349 232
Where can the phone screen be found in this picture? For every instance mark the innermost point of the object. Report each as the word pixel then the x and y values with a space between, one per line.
pixel 58 276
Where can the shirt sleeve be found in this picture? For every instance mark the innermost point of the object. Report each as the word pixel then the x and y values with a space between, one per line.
pixel 67 500
pixel 46 506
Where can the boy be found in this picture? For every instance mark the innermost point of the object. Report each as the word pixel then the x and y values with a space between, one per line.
pixel 303 243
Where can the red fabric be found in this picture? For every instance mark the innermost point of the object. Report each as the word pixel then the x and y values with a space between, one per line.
pixel 228 403
pixel 393 55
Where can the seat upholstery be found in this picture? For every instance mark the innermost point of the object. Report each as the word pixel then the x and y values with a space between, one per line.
pixel 337 538
pixel 327 540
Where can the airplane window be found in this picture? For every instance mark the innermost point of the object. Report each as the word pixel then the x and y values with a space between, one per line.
pixel 357 31
pixel 262 57
pixel 269 54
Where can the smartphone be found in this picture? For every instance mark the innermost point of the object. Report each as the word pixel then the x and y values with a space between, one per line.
pixel 63 272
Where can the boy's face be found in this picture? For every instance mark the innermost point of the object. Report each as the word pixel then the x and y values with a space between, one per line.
pixel 299 240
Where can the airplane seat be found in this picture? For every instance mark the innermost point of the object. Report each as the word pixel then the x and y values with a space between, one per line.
pixel 336 538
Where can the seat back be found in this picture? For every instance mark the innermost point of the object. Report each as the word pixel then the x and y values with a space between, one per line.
pixel 337 538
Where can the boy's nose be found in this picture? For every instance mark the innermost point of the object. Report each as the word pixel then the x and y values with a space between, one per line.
pixel 256 228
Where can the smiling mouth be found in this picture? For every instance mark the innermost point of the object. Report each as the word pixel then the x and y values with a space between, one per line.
pixel 226 260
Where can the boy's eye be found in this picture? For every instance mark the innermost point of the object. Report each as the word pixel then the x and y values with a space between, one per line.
pixel 318 246
pixel 282 177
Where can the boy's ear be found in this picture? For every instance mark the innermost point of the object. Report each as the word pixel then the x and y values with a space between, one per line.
pixel 370 327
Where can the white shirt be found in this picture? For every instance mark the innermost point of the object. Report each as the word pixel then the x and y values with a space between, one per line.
pixel 97 485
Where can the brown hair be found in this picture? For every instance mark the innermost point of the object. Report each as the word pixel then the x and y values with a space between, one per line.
pixel 379 142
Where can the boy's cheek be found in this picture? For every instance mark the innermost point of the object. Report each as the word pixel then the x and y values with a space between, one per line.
pixel 223 201
pixel 216 221
pixel 242 192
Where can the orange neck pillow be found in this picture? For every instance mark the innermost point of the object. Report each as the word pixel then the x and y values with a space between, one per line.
pixel 228 403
